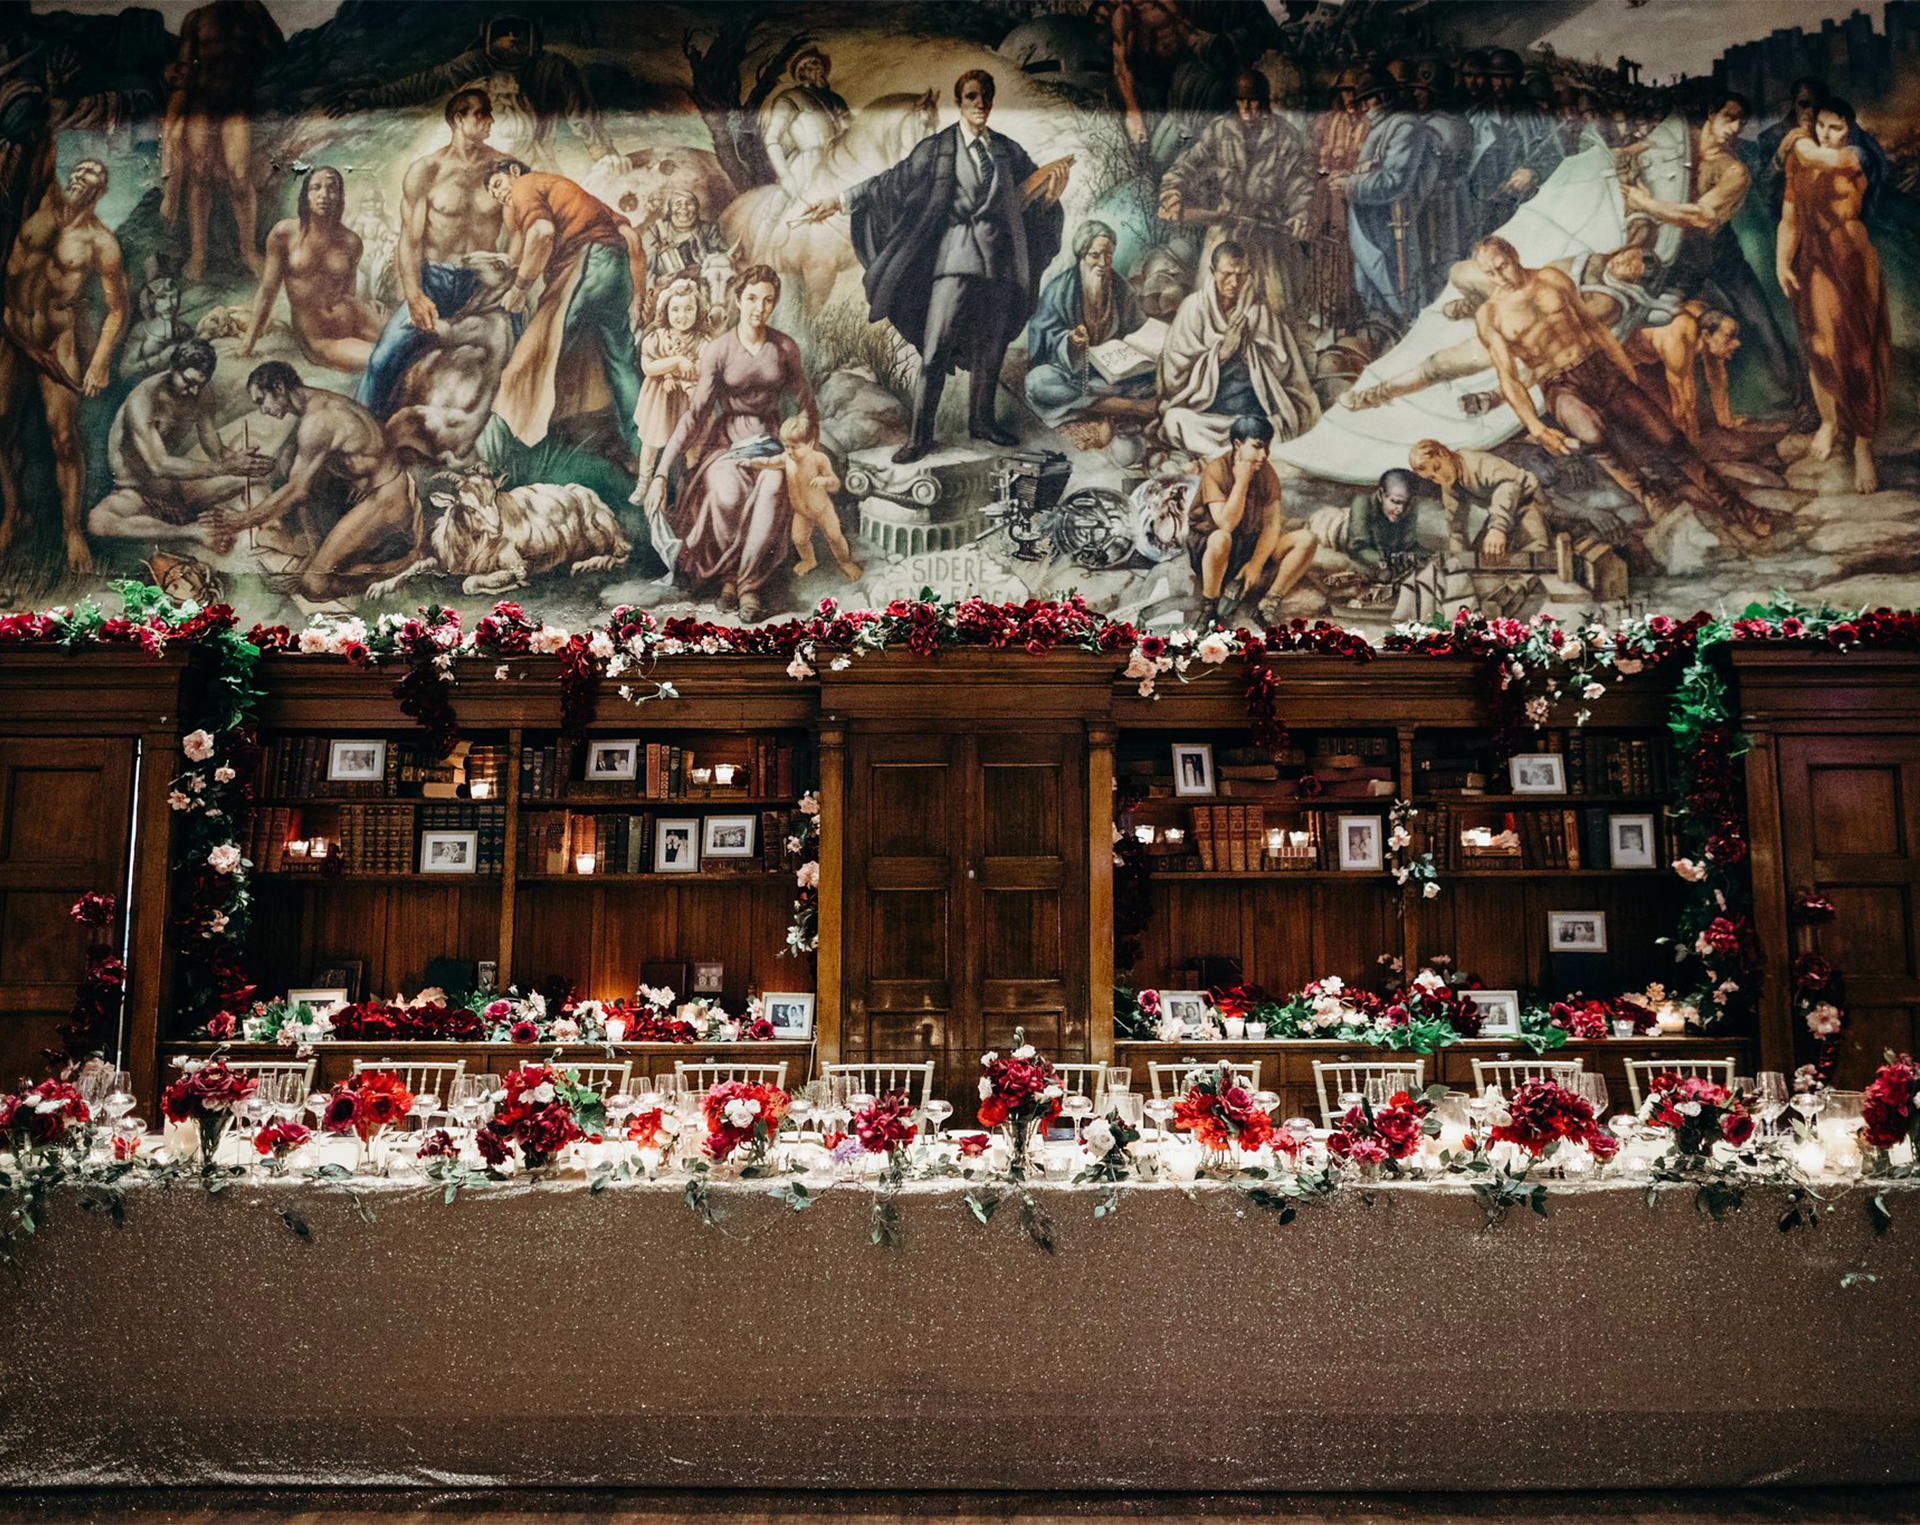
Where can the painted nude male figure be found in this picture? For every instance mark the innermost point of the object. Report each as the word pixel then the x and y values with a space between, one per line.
pixel 62 248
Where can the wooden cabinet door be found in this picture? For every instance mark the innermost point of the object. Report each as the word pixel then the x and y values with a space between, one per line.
pixel 966 899
pixel 65 813
pixel 1850 829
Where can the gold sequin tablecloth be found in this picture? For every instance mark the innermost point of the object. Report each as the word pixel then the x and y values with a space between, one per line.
pixel 533 1334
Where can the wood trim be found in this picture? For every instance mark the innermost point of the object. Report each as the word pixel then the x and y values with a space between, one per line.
pixel 510 862
pixel 1767 864
pixel 150 932
pixel 1100 798
pixel 830 748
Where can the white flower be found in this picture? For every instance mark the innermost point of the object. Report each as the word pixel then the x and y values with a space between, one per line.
pixel 1398 838
pixel 793 844
pixel 1024 1051
pixel 198 745
pixel 1537 711
pixel 178 801
pixel 500 672
pixel 809 804
pixel 565 1030
pixel 549 640
pixel 313 642
pixel 986 1088
pixel 1628 666
pixel 1690 871
pixel 1689 1109
pixel 1430 890
pixel 841 663
pixel 986 1059
pixel 600 645
pixel 223 774
pixel 1429 980
pixel 807 876
pixel 217 922
pixel 1824 1020
pixel 1571 652
pixel 1214 649
pixel 1593 691
pixel 224 859
pixel 798 667
pixel 1170 1029
pixel 741 1112
pixel 1099 1136
pixel 1051 1093
pixel 541 1094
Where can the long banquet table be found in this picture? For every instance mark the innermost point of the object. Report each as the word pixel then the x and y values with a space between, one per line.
pixel 532 1333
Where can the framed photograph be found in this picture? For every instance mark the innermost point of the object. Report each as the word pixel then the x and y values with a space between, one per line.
pixel 676 846
pixel 348 974
pixel 1190 1006
pixel 1499 1012
pixel 449 852
pixel 727 836
pixel 709 977
pixel 1192 768
pixel 486 974
pixel 790 1012
pixel 356 762
pixel 1360 844
pixel 610 761
pixel 318 1002
pixel 1537 773
pixel 1577 931
pixel 1630 841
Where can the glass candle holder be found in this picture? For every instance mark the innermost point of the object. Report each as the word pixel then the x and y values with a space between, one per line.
pixel 584 863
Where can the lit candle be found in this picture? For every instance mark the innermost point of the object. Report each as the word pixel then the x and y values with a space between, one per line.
pixel 616 1029
pixel 583 863
pixel 723 774
pixel 1174 835
pixel 1298 839
pixel 1143 833
pixel 482 789
pixel 1671 1018
pixel 298 849
pixel 703 776
pixel 1276 839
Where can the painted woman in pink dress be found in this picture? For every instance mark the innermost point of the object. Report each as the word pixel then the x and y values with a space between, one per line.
pixel 729 524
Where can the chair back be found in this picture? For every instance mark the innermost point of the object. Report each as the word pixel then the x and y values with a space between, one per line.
pixel 607 1079
pixel 260 1069
pixel 1510 1073
pixel 1172 1079
pixel 877 1079
pixel 701 1078
pixel 1642 1072
pixel 423 1077
pixel 1331 1080
pixel 1087 1080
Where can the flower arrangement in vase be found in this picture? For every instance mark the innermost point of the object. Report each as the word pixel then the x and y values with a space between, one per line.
pixel 205 1095
pixel 1020 1092
pixel 45 1116
pixel 1542 1114
pixel 1890 1108
pixel 885 1127
pixel 742 1117
pixel 366 1105
pixel 1386 1137
pixel 542 1109
pixel 276 1141
pixel 1698 1113
pixel 1222 1115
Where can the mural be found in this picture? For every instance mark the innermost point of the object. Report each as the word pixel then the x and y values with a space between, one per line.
pixel 1205 309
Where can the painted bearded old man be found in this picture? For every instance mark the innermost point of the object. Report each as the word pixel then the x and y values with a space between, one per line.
pixel 1081 308
pixel 1228 356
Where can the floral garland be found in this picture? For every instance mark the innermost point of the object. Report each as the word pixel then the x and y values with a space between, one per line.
pixel 91 1025
pixel 803 845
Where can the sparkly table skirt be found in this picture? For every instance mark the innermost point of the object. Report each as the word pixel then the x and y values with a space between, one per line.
pixel 532 1334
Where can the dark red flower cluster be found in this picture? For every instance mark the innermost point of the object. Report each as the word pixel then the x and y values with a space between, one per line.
pixel 279 1139
pixel 1020 1088
pixel 206 1090
pixel 1540 1111
pixel 534 1113
pixel 376 1022
pixel 1812 910
pixel 437 1144
pixel 93 909
pixel 648 1024
pixel 885 1123
pixel 739 1112
pixel 1890 1107
pixel 1221 1113
pixel 1812 974
pixel 1698 1112
pixel 424 689
pixel 506 632
pixel 367 1102
pixel 1590 1019
pixel 43 1114
pixel 1370 1136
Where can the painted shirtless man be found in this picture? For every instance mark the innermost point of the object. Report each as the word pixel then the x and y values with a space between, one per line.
pixel 161 491
pixel 339 454
pixel 1536 320
pixel 62 247
pixel 445 212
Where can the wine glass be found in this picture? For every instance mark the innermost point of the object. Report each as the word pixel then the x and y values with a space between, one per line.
pixel 1300 1130
pixel 1160 1110
pixel 1770 1097
pixel 1480 1108
pixel 1079 1107
pixel 1126 1106
pixel 425 1106
pixel 1593 1087
pixel 1380 1090
pixel 119 1099
pixel 1118 1079
pixel 1349 1100
pixel 1810 1103
pixel 937 1113
pixel 1267 1101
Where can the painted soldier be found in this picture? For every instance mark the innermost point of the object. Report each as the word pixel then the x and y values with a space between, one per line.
pixel 1386 200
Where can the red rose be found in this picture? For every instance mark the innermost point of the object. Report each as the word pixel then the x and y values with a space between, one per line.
pixel 524 1031
pixel 1736 1128
pixel 973 1145
pixel 341 1111
pixel 221 1026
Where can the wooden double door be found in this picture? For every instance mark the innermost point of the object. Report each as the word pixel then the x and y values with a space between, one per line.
pixel 966 898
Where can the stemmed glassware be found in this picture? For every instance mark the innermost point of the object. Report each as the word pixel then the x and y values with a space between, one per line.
pixel 468 1099
pixel 1770 1098
pixel 1592 1087
pixel 938 1112
pixel 1160 1110
pixel 1381 1090
pixel 1079 1107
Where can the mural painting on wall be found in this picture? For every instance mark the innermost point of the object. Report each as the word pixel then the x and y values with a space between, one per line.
pixel 1205 309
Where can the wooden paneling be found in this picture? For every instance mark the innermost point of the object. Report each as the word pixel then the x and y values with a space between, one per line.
pixel 66 808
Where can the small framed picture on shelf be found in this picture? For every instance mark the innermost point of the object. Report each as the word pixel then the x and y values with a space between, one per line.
pixel 1577 931
pixel 346 974
pixel 709 976
pixel 1190 1006
pixel 1537 773
pixel 610 762
pixel 486 974
pixel 1630 841
pixel 676 846
pixel 1499 1012
pixel 1192 769
pixel 449 852
pixel 356 761
pixel 1360 844
pixel 727 836
pixel 790 1012
pixel 318 1002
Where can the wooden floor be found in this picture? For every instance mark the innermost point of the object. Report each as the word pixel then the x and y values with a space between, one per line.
pixel 1825 1506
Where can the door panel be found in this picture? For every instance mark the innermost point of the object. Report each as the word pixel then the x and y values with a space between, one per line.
pixel 1850 831
pixel 966 899
pixel 65 813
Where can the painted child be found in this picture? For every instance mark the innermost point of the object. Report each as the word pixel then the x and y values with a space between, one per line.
pixel 669 365
pixel 811 484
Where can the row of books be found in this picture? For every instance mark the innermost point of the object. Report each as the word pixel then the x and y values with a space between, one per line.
pixel 1233 839
pixel 1564 838
pixel 763 767
pixel 1600 764
pixel 377 839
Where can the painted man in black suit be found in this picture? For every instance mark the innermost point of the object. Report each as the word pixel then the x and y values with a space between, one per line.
pixel 954 240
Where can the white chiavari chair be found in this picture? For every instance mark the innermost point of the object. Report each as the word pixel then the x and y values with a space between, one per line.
pixel 1345 1077
pixel 1172 1079
pixel 877 1079
pixel 607 1079
pixel 701 1078
pixel 1641 1073
pixel 1509 1073
pixel 260 1069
